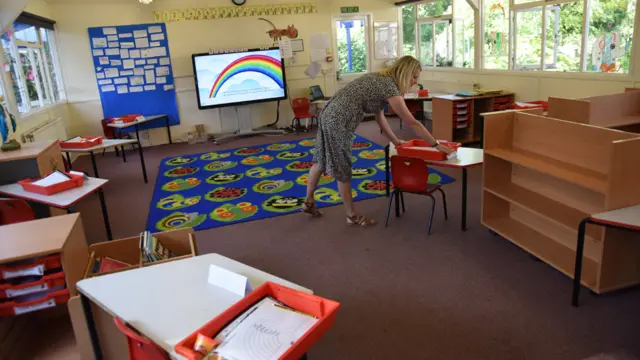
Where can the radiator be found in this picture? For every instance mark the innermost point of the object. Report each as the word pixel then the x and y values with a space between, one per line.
pixel 50 130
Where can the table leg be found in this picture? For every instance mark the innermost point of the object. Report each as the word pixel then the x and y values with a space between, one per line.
pixel 118 135
pixel 69 161
pixel 397 203
pixel 464 199
pixel 386 169
pixel 166 121
pixel 105 214
pixel 93 162
pixel 577 273
pixel 124 156
pixel 144 168
pixel 91 325
pixel 304 357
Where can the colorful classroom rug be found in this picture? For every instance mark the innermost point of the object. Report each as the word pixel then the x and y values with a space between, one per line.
pixel 231 186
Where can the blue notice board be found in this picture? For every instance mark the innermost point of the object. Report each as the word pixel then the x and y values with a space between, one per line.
pixel 133 69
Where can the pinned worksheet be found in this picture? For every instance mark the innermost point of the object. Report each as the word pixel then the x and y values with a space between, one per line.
pixel 125 35
pixel 161 80
pixel 126 72
pixel 165 61
pixel 157 37
pixel 155 29
pixel 114 44
pixel 99 42
pixel 116 62
pixel 142 43
pixel 141 62
pixel 154 43
pixel 109 31
pixel 124 53
pixel 123 89
pixel 121 81
pixel 98 52
pixel 140 33
pixel 134 54
pixel 149 77
pixel 104 82
pixel 149 88
pixel 112 52
pixel 127 45
pixel 112 38
pixel 136 89
pixel 138 71
pixel 112 72
pixel 162 71
pixel 108 88
pixel 128 64
pixel 152 61
pixel 104 60
pixel 136 80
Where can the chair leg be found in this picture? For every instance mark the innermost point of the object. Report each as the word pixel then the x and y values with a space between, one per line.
pixel 433 210
pixel 402 202
pixel 444 203
pixel 386 222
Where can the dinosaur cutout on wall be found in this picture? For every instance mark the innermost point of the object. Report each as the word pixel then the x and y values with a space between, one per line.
pixel 277 34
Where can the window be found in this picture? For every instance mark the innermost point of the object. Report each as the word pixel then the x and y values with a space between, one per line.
pixel 439 33
pixel 352 44
pixel 496 34
pixel 609 33
pixel 31 63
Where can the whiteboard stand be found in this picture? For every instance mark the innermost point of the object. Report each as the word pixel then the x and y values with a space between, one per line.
pixel 245 126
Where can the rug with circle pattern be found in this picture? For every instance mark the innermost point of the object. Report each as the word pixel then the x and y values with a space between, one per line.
pixel 231 186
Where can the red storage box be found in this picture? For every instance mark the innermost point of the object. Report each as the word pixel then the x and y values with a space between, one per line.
pixel 324 309
pixel 32 267
pixel 534 104
pixel 45 283
pixel 124 119
pixel 75 181
pixel 90 141
pixel 421 149
pixel 39 302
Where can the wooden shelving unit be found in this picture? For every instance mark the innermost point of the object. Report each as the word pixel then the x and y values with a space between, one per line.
pixel 616 111
pixel 457 118
pixel 542 176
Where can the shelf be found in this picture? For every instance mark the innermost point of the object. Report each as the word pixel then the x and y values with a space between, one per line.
pixel 567 172
pixel 553 253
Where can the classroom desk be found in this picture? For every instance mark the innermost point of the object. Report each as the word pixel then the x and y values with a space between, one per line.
pixel 167 302
pixel 465 159
pixel 66 199
pixel 106 144
pixel 146 119
pixel 626 219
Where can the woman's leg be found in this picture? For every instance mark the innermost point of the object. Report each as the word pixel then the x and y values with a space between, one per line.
pixel 345 192
pixel 312 184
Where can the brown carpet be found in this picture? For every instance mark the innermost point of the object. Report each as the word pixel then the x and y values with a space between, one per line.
pixel 404 295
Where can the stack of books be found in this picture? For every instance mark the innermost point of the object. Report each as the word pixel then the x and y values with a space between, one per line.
pixel 152 249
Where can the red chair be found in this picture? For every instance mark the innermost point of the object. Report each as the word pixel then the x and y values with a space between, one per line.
pixel 411 175
pixel 140 348
pixel 111 133
pixel 301 108
pixel 14 211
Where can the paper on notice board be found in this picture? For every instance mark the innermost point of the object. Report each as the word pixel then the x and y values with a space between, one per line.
pixel 313 70
pixel 161 80
pixel 116 62
pixel 136 80
pixel 126 72
pixel 98 52
pixel 124 53
pixel 142 42
pixel 165 61
pixel 123 89
pixel 125 35
pixel 157 37
pixel 104 82
pixel 152 61
pixel 318 55
pixel 114 44
pixel 134 54
pixel 154 43
pixel 136 89
pixel 154 52
pixel 100 75
pixel 162 70
pixel 138 71
pixel 140 33
pixel 128 64
pixel 120 81
pixel 108 88
pixel 112 52
pixel 320 41
pixel 149 87
pixel 141 62
pixel 109 31
pixel 111 73
pixel 285 49
pixel 155 29
pixel 127 45
pixel 100 42
pixel 149 77
pixel 112 38
pixel 103 60
pixel 168 87
pixel 148 66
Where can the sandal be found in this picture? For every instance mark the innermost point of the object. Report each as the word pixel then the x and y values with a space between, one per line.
pixel 361 220
pixel 311 209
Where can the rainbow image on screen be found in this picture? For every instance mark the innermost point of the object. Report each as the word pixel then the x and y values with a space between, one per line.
pixel 256 63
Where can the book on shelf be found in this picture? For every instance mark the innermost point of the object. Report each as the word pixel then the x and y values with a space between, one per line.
pixel 152 249
pixel 104 264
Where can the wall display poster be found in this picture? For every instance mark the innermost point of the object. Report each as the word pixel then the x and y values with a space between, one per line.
pixel 135 94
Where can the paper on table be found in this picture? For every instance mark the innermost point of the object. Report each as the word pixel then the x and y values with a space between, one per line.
pixel 318 54
pixel 157 37
pixel 149 77
pixel 149 87
pixel 127 45
pixel 152 61
pixel 114 44
pixel 320 41
pixel 161 80
pixel 75 139
pixel 141 62
pixel 136 80
pixel 112 38
pixel 98 52
pixel 121 81
pixel 229 281
pixel 134 54
pixel 123 89
pixel 55 177
pixel 112 51
pixel 165 61
pixel 142 42
pixel 108 88
pixel 155 29
pixel 138 71
pixel 285 49
pixel 104 82
pixel 162 70
pixel 125 35
pixel 99 42
pixel 124 53
pixel 109 31
pixel 111 73
pixel 128 64
pixel 126 72
pixel 140 33
pixel 313 70
pixel 103 60
pixel 136 89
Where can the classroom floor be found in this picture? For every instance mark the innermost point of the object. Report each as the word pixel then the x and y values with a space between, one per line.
pixel 451 295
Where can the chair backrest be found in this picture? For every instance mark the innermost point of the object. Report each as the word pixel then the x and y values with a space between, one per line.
pixel 409 174
pixel 14 211
pixel 300 107
pixel 108 132
pixel 140 348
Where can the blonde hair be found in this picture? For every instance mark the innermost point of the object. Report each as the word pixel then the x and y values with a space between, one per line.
pixel 402 72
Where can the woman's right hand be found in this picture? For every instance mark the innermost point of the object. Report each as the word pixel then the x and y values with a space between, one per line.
pixel 445 149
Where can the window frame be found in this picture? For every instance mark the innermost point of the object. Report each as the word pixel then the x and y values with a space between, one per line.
pixel 367 18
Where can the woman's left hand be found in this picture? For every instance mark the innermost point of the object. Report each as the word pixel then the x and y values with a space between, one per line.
pixel 398 142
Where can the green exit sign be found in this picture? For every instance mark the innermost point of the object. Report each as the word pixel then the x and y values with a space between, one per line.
pixel 350 9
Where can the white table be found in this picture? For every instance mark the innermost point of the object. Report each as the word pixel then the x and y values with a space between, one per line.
pixel 65 199
pixel 626 219
pixel 146 119
pixel 167 302
pixel 466 158
pixel 106 144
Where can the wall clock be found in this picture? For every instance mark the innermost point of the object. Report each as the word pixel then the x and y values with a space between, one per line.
pixel 239 2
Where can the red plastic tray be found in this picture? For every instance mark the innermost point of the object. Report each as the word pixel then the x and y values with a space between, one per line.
pixel 124 119
pixel 91 141
pixel 536 104
pixel 35 267
pixel 324 309
pixel 421 149
pixel 45 283
pixel 47 300
pixel 75 181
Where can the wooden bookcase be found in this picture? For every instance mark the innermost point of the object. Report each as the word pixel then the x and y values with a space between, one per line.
pixel 617 111
pixel 457 118
pixel 542 176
